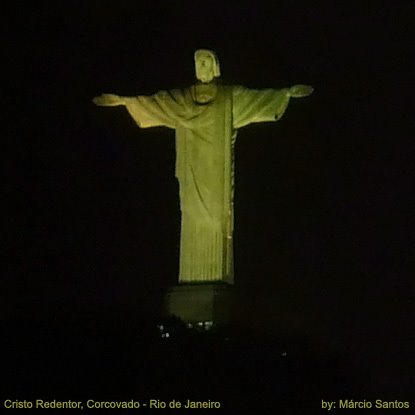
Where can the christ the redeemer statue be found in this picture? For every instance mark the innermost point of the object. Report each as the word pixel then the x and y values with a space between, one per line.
pixel 206 117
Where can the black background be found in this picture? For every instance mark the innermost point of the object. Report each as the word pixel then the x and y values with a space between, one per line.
pixel 323 204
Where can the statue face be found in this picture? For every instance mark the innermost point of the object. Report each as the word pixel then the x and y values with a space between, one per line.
pixel 205 67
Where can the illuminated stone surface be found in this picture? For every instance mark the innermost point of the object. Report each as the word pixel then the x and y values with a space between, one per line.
pixel 206 117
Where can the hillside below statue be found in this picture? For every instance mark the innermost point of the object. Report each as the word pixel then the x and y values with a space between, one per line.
pixel 206 117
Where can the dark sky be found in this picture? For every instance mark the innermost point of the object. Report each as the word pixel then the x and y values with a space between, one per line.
pixel 324 197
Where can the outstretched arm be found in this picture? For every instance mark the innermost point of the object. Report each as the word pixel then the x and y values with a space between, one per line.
pixel 261 105
pixel 108 100
pixel 300 91
pixel 160 109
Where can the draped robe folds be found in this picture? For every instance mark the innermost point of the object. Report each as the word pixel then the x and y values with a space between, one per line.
pixel 205 138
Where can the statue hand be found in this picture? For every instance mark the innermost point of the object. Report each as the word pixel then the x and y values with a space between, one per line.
pixel 108 100
pixel 299 91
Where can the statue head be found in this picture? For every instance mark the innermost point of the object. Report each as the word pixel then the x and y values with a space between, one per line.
pixel 206 65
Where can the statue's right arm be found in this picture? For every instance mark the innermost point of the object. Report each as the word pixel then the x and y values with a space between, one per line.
pixel 147 111
pixel 108 100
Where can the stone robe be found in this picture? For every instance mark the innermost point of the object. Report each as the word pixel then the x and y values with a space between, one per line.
pixel 205 138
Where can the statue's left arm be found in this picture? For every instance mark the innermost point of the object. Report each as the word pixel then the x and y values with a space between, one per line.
pixel 261 105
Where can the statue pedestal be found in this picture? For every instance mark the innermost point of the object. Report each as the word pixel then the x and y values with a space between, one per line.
pixel 201 302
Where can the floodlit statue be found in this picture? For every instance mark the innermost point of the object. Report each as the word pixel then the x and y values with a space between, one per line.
pixel 206 117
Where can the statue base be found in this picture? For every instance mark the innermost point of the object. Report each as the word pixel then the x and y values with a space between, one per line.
pixel 201 302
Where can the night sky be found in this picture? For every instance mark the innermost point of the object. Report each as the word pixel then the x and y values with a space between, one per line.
pixel 323 199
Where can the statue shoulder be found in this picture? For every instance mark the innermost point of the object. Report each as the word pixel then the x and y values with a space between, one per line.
pixel 239 89
pixel 175 95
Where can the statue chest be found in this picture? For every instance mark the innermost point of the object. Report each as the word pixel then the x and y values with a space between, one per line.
pixel 204 93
